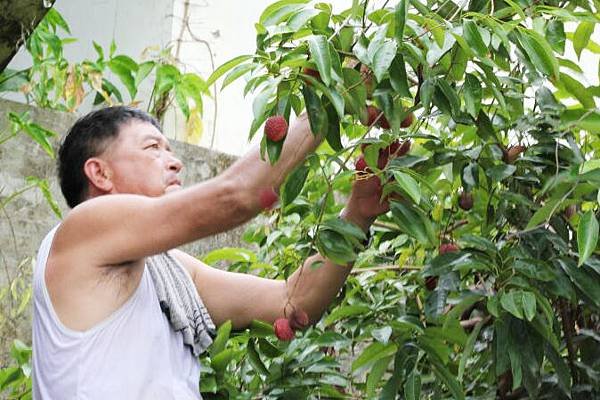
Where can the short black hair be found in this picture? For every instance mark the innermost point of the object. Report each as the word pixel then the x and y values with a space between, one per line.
pixel 87 138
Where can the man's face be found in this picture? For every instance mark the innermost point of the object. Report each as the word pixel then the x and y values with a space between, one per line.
pixel 141 161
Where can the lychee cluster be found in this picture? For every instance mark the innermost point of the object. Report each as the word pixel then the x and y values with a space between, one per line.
pixel 285 328
pixel 395 149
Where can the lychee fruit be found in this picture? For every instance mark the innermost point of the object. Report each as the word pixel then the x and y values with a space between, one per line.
pixel 511 154
pixel 299 320
pixel 361 164
pixel 283 330
pixel 448 248
pixel 398 149
pixel 570 211
pixel 407 121
pixel 404 149
pixel 311 72
pixel 267 198
pixel 465 201
pixel 367 77
pixel 431 282
pixel 373 113
pixel 384 156
pixel 276 128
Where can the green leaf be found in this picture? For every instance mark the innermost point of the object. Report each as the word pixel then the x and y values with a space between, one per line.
pixel 231 254
pixel 500 172
pixel 582 36
pixel 143 70
pixel 44 187
pixel 319 53
pixel 273 149
pixel 485 129
pixel 561 368
pixel 260 329
pixel 374 352
pixel 39 135
pixel 255 360
pixel 317 118
pixel 275 12
pixel 544 213
pixel 529 305
pixel 412 386
pixel 261 103
pixel 398 76
pixel 540 53
pixel 577 90
pixel 555 32
pixel 427 89
pixel 167 77
pixel 447 378
pixel 125 67
pixel 409 185
pixel 375 375
pixel 220 361
pixel 414 222
pixel 450 94
pixel 473 94
pixel 235 73
pixel 344 312
pixel 293 184
pixel 466 354
pixel 333 128
pixel 473 37
pixel 400 14
pixel 217 73
pixel 345 228
pixel 510 303
pixel 335 247
pixel 383 58
pixel 587 236
pixel 218 345
pixel 586 280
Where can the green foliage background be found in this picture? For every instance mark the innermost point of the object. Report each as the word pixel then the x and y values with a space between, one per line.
pixel 515 312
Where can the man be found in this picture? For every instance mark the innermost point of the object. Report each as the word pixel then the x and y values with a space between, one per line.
pixel 98 329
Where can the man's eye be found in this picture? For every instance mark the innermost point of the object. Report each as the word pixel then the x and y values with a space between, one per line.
pixel 153 146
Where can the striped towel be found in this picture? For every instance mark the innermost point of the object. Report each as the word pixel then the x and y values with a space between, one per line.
pixel 179 300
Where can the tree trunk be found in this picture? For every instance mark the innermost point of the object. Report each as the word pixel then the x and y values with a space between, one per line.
pixel 17 20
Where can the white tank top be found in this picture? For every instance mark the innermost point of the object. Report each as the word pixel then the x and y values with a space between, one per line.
pixel 133 354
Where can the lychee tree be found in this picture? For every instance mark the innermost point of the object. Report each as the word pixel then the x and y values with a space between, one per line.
pixel 483 280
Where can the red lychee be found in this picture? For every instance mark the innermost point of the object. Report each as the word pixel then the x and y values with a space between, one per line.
pixel 448 248
pixel 407 121
pixel 276 128
pixel 384 156
pixel 311 72
pixel 267 198
pixel 511 154
pixel 283 330
pixel 361 164
pixel 431 282
pixel 465 201
pixel 405 148
pixel 373 113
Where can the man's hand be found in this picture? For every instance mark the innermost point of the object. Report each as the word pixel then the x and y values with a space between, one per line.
pixel 365 203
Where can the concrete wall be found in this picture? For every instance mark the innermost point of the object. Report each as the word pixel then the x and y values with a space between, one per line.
pixel 27 219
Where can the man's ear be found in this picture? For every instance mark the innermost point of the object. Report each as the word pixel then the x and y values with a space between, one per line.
pixel 99 175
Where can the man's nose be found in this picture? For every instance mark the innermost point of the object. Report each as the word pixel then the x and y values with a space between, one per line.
pixel 175 163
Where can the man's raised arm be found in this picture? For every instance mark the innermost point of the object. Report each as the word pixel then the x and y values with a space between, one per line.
pixel 123 227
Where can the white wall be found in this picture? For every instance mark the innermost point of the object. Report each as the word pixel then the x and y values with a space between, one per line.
pixel 133 24
pixel 228 27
